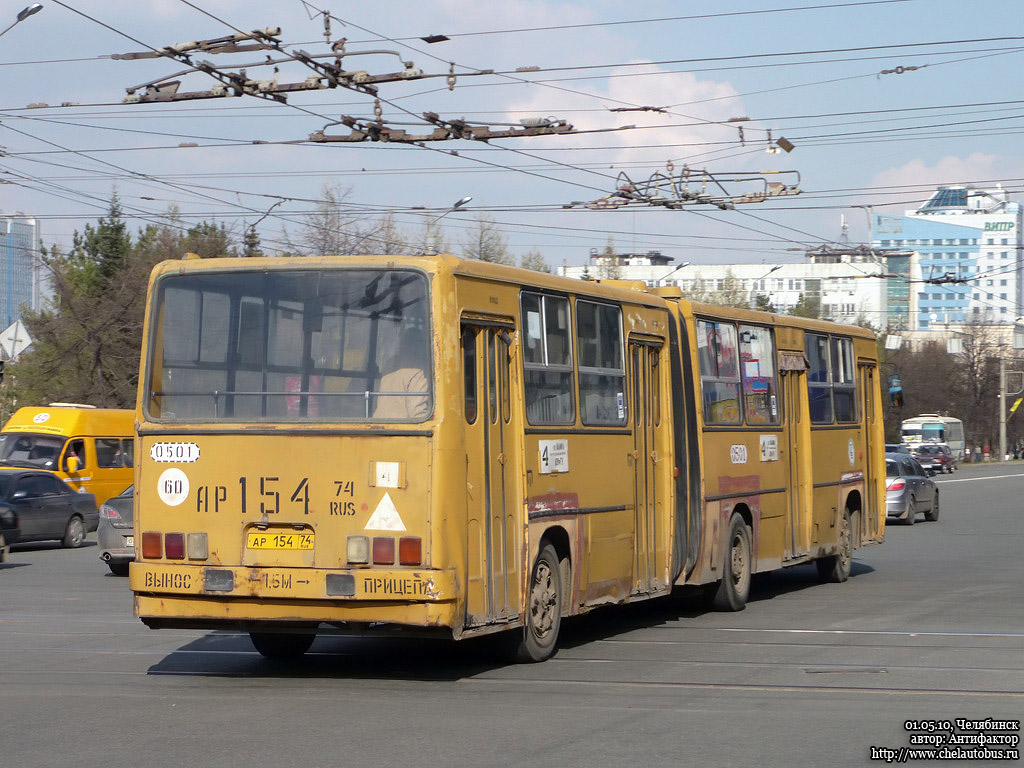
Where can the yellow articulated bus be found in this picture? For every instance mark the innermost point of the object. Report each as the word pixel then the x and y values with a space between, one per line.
pixel 431 444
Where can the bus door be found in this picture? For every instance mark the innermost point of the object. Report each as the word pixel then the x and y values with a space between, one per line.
pixel 490 466
pixel 870 519
pixel 798 457
pixel 644 405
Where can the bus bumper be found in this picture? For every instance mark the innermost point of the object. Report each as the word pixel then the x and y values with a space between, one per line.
pixel 418 597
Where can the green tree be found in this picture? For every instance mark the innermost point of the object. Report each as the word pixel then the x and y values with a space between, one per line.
pixel 763 304
pixel 86 341
pixel 100 252
pixel 808 305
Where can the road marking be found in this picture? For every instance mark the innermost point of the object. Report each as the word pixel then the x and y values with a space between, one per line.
pixel 986 477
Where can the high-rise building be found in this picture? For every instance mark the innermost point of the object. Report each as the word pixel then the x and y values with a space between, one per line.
pixel 20 276
pixel 969 261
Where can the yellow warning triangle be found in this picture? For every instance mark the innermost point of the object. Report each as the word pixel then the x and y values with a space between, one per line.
pixel 385 517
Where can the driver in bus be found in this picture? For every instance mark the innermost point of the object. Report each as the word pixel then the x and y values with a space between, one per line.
pixel 408 374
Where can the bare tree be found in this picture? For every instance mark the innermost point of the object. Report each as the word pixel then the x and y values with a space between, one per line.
pixel 486 242
pixel 534 259
pixel 331 228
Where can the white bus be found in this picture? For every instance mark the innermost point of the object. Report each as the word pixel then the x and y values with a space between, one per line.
pixel 932 428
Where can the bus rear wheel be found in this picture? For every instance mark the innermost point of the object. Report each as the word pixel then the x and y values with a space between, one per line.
pixel 281 646
pixel 734 588
pixel 543 609
pixel 836 568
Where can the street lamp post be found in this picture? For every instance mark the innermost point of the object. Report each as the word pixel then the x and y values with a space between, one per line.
pixel 23 14
pixel 432 244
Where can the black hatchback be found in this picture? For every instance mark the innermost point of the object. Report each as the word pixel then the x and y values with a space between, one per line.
pixel 46 507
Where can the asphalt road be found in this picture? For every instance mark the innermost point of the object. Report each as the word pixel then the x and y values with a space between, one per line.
pixel 930 628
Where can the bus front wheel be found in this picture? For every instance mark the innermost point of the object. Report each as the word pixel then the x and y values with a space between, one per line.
pixel 734 588
pixel 280 646
pixel 543 609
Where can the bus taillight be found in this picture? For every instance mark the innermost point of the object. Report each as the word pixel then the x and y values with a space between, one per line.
pixel 383 550
pixel 410 551
pixel 174 546
pixel 152 545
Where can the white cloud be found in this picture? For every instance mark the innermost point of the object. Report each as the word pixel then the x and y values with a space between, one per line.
pixel 976 167
pixel 695 110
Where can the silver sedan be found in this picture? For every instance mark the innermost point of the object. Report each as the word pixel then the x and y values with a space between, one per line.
pixel 909 489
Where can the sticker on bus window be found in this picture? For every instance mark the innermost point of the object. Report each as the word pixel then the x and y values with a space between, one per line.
pixel 775 408
pixel 621 402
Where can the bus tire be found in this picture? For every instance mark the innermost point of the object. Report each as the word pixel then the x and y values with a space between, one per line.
pixel 74 533
pixel 933 514
pixel 734 588
pixel 282 646
pixel 539 636
pixel 836 568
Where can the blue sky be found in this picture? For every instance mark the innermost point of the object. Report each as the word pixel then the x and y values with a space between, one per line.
pixel 808 71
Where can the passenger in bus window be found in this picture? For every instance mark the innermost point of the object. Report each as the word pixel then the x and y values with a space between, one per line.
pixel 408 374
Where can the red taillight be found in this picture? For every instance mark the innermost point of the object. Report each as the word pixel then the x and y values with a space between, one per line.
pixel 898 484
pixel 383 550
pixel 410 550
pixel 152 545
pixel 109 513
pixel 174 546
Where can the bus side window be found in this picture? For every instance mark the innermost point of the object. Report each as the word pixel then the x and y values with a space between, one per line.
pixel 757 372
pixel 819 386
pixel 719 373
pixel 469 373
pixel 547 360
pixel 844 383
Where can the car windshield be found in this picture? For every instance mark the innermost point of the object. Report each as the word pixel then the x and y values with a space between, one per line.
pixel 26 448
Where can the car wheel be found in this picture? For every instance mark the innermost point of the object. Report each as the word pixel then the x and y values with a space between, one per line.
pixel 911 512
pixel 734 588
pixel 933 514
pixel 281 646
pixel 539 635
pixel 74 534
pixel 118 569
pixel 836 568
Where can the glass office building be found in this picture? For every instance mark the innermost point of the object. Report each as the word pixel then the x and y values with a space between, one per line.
pixel 968 268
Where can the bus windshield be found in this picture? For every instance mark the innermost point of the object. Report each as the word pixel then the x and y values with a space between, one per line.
pixel 928 433
pixel 299 345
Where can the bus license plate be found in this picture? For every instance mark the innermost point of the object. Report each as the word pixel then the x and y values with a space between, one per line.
pixel 289 540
